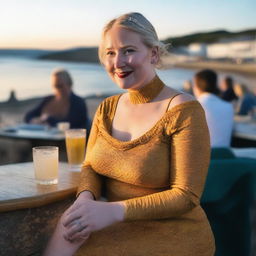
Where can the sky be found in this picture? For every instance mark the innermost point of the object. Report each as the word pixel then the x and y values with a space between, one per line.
pixel 62 24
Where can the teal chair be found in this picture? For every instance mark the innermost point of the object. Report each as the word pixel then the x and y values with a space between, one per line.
pixel 229 191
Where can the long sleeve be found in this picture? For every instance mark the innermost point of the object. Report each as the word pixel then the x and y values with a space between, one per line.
pixel 189 160
pixel 36 112
pixel 78 116
pixel 89 179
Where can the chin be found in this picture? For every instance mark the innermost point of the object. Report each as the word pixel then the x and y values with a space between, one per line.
pixel 125 86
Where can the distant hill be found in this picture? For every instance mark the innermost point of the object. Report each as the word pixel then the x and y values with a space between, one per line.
pixel 210 37
pixel 88 54
pixel 28 53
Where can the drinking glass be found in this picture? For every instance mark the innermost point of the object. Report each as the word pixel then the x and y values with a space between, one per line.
pixel 75 146
pixel 63 126
pixel 46 159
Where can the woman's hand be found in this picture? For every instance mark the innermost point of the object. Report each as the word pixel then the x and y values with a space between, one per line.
pixel 35 120
pixel 39 120
pixel 87 215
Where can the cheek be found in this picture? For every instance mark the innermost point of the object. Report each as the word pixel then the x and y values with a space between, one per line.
pixel 108 65
pixel 140 60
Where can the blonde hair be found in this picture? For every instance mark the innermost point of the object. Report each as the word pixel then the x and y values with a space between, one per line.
pixel 136 22
pixel 64 75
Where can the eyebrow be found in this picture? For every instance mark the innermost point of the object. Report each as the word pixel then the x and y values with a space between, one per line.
pixel 123 47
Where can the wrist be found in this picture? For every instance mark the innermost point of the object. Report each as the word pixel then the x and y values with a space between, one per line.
pixel 119 210
pixel 86 195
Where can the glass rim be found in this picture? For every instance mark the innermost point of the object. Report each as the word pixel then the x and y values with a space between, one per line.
pixel 45 148
pixel 76 130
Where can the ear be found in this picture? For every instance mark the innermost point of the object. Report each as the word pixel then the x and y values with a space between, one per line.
pixel 154 55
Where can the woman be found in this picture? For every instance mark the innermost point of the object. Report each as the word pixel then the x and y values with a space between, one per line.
pixel 149 151
pixel 246 100
pixel 63 106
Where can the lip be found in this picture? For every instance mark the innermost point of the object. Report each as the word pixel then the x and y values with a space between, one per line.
pixel 123 74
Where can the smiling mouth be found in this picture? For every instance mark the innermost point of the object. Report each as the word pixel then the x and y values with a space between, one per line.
pixel 124 74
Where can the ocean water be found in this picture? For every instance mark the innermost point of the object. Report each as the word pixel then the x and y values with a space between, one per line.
pixel 31 77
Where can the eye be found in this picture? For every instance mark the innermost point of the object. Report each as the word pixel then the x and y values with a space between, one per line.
pixel 129 50
pixel 110 53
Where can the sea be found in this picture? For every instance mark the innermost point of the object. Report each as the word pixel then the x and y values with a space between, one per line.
pixel 31 77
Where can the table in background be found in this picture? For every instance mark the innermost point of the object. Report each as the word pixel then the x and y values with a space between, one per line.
pixel 245 152
pixel 26 139
pixel 44 134
pixel 29 211
pixel 244 133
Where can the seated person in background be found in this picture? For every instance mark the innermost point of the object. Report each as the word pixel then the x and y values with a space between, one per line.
pixel 227 91
pixel 219 114
pixel 63 106
pixel 246 100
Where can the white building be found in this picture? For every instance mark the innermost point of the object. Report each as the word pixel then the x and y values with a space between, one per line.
pixel 237 49
pixel 197 50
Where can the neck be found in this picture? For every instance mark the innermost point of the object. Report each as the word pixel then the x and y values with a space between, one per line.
pixel 147 93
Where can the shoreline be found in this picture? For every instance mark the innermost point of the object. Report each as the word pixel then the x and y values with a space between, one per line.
pixel 246 69
pixel 13 110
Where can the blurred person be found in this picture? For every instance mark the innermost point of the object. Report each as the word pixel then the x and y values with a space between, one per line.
pixel 63 106
pixel 227 91
pixel 149 149
pixel 219 113
pixel 246 100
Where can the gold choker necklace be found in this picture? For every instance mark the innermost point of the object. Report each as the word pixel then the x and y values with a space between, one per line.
pixel 146 93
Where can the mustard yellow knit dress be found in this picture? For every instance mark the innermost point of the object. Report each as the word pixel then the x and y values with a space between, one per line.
pixel 160 176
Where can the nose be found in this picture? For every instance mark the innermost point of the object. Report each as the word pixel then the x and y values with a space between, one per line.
pixel 119 60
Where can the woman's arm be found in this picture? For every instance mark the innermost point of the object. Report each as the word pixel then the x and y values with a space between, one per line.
pixel 89 179
pixel 92 215
pixel 36 111
pixel 189 159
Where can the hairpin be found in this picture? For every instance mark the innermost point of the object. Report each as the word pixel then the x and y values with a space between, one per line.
pixel 131 19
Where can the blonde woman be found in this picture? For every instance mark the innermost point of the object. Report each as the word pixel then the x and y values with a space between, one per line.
pixel 149 149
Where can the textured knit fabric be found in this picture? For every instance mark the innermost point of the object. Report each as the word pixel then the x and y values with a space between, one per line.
pixel 146 93
pixel 159 176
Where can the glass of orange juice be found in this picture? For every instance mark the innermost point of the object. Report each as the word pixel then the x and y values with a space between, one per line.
pixel 75 146
pixel 46 162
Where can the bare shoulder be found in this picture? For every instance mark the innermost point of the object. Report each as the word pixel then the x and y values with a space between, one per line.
pixel 181 97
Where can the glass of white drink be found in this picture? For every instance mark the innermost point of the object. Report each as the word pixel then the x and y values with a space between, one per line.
pixel 46 160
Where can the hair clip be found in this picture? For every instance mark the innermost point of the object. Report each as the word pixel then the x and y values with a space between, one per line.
pixel 131 19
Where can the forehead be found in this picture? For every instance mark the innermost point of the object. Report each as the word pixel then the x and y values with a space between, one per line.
pixel 58 79
pixel 118 37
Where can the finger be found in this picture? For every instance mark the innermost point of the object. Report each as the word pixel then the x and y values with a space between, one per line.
pixel 71 231
pixel 84 234
pixel 75 227
pixel 69 218
pixel 81 240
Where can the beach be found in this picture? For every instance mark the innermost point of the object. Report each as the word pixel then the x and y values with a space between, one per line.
pixel 246 71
